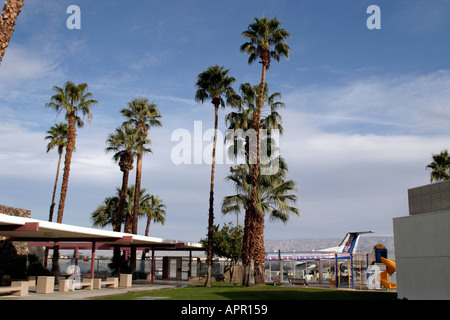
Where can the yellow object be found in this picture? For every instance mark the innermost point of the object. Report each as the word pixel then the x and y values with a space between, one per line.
pixel 390 269
pixel 379 246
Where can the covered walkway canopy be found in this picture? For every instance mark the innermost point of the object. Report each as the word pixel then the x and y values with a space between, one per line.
pixel 44 233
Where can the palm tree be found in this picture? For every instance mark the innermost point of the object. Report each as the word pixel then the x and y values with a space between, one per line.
pixel 58 138
pixel 275 196
pixel 214 84
pixel 10 12
pixel 266 40
pixel 142 114
pixel 254 224
pixel 106 213
pixel 149 206
pixel 73 99
pixel 124 142
pixel 155 211
pixel 440 167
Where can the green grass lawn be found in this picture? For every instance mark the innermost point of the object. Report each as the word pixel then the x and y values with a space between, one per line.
pixel 230 291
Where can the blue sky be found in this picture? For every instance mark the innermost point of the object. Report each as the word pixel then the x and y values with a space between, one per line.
pixel 365 109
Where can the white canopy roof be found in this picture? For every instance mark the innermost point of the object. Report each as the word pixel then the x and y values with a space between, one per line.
pixel 27 229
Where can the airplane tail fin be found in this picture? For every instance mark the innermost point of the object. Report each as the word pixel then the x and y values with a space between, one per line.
pixel 348 244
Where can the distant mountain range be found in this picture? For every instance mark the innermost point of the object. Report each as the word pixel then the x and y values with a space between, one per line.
pixel 366 244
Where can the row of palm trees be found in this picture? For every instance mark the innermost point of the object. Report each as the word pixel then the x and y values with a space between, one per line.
pixel 266 40
pixel 150 206
pixel 128 141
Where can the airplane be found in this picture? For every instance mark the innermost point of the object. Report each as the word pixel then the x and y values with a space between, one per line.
pixel 344 250
pixel 318 265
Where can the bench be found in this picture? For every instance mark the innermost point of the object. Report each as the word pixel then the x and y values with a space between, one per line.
pixel 220 278
pixel 125 280
pixel 17 288
pixel 275 280
pixel 31 283
pixel 66 285
pixel 109 283
pixel 86 283
pixel 45 285
pixel 298 281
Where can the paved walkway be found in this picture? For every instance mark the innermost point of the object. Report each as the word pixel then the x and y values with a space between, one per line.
pixel 83 294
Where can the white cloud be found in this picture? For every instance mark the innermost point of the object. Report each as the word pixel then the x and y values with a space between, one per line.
pixel 383 105
pixel 20 64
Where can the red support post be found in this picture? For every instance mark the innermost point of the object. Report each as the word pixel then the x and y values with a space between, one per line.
pixel 93 260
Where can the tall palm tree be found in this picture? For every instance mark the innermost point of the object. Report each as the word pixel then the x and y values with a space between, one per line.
pixel 124 142
pixel 214 84
pixel 275 197
pixel 253 245
pixel 440 167
pixel 142 114
pixel 10 12
pixel 57 136
pixel 266 40
pixel 73 100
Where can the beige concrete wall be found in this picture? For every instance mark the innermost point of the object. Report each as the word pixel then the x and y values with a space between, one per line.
pixel 422 253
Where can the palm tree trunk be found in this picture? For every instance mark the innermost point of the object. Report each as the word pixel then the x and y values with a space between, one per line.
pixel 147 228
pixel 258 248
pixel 211 199
pixel 253 251
pixel 118 221
pixel 134 225
pixel 128 222
pixel 256 124
pixel 52 206
pixel 122 199
pixel 10 12
pixel 137 192
pixel 68 159
pixel 62 199
pixel 254 168
pixel 246 246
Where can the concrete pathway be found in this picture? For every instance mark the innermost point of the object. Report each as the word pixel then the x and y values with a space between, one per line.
pixel 83 294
